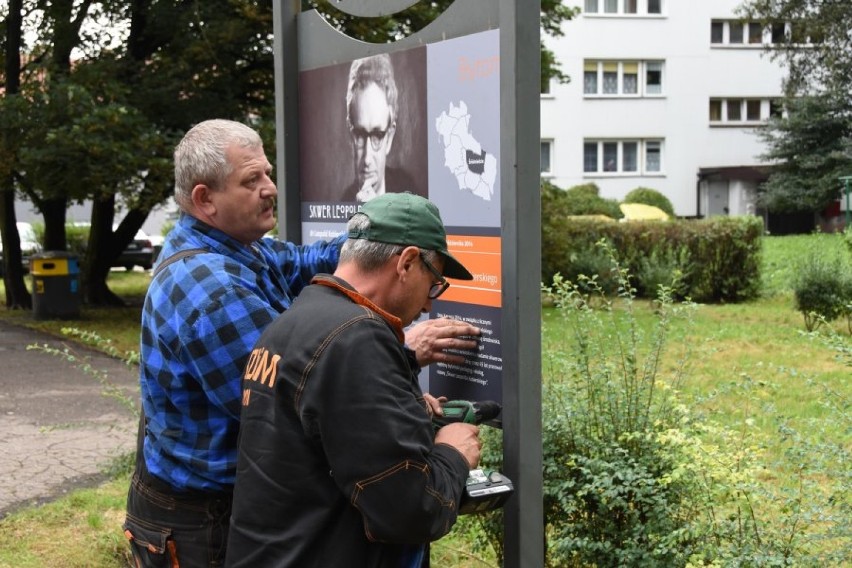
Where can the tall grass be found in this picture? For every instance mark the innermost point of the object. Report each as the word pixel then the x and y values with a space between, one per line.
pixel 782 254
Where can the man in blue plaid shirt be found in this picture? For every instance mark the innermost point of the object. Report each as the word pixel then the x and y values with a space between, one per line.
pixel 220 283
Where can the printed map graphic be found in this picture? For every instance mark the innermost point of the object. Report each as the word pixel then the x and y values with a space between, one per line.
pixel 474 168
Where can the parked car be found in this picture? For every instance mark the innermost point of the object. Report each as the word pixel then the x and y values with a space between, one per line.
pixel 140 252
pixel 29 245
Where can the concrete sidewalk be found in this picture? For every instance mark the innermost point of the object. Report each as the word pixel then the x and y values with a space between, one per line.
pixel 58 432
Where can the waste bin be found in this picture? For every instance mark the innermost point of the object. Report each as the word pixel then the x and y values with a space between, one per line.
pixel 56 285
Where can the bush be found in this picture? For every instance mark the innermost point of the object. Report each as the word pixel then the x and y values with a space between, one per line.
pixel 77 238
pixel 822 288
pixel 578 200
pixel 614 492
pixel 720 258
pixel 665 267
pixel 650 196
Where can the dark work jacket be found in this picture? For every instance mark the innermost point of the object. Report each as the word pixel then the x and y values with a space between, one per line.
pixel 337 464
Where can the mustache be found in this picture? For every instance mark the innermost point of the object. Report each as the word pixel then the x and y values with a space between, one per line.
pixel 268 203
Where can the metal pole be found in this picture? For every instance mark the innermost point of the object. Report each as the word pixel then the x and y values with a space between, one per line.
pixel 520 102
pixel 847 190
pixel 285 57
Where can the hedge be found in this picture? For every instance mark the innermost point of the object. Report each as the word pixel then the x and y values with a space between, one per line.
pixel 718 258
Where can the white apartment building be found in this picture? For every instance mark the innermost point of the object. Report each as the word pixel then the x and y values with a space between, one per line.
pixel 663 94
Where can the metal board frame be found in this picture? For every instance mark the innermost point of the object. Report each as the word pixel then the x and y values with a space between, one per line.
pixel 303 40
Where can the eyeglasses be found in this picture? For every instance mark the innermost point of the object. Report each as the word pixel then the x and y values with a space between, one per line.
pixel 439 287
pixel 377 137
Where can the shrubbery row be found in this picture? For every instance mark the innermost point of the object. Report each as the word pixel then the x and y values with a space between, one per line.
pixel 718 259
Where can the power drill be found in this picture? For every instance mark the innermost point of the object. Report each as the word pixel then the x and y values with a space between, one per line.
pixel 485 490
pixel 469 412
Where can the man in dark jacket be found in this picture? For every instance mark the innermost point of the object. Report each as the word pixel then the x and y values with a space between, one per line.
pixel 338 462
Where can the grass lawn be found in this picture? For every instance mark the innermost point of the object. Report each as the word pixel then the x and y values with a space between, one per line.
pixel 748 364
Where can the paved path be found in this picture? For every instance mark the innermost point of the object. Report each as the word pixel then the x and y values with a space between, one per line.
pixel 58 432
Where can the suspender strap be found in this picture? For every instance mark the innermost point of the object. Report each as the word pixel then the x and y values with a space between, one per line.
pixel 140 436
pixel 176 257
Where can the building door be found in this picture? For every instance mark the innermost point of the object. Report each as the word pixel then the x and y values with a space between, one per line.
pixel 718 195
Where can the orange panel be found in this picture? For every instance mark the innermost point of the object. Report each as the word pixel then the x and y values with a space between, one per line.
pixel 482 257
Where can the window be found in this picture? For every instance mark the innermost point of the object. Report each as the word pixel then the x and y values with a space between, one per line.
pixel 590 78
pixel 610 78
pixel 742 111
pixel 629 154
pixel 630 77
pixel 622 78
pixel 590 157
pixel 610 156
pixel 621 7
pixel 654 77
pixel 715 110
pixel 735 109
pixel 739 33
pixel 755 33
pixel 717 32
pixel 753 110
pixel 613 157
pixel 776 108
pixel 777 34
pixel 546 152
pixel 799 34
pixel 653 158
pixel 735 33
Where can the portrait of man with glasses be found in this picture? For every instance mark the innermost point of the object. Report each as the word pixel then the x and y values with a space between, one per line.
pixel 372 113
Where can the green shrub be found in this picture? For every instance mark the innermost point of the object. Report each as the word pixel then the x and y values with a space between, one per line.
pixel 720 258
pixel 77 238
pixel 664 267
pixel 650 196
pixel 578 200
pixel 613 492
pixel 591 270
pixel 822 288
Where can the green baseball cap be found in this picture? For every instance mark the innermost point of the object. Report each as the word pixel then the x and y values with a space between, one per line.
pixel 409 220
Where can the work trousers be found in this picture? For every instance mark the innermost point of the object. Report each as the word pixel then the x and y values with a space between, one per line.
pixel 169 529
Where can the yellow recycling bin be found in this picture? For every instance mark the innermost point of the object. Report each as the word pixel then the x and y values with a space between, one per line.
pixel 56 285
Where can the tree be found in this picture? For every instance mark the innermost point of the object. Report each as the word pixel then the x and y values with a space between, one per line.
pixel 103 129
pixel 812 143
pixel 817 50
pixel 17 296
pixel 811 147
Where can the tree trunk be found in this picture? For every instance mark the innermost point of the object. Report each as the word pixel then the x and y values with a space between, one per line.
pixel 104 246
pixel 101 249
pixel 17 296
pixel 53 211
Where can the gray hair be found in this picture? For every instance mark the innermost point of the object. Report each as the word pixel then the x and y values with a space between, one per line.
pixel 375 69
pixel 200 155
pixel 371 255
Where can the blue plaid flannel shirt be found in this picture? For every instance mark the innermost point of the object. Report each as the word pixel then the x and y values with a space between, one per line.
pixel 201 318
